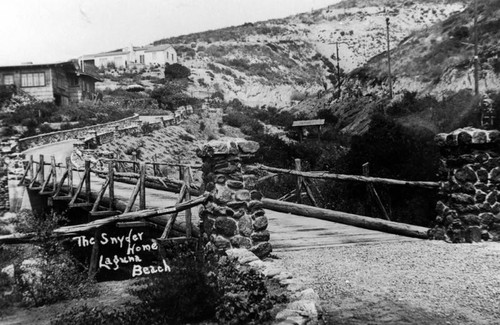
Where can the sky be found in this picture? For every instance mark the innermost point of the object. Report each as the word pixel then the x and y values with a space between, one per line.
pixel 42 31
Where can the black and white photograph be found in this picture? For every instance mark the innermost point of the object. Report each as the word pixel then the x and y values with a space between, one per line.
pixel 261 162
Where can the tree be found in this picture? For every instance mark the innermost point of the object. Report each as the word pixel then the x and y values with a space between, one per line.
pixel 171 95
pixel 176 71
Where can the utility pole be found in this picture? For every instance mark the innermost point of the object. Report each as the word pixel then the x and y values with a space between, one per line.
pixel 389 58
pixel 476 55
pixel 338 67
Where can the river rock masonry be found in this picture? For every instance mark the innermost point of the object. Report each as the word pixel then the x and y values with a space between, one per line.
pixel 235 218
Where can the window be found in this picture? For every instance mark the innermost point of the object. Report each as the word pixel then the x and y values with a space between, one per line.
pixel 141 58
pixel 8 79
pixel 36 79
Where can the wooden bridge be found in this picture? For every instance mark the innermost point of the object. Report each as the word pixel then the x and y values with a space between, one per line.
pixel 135 194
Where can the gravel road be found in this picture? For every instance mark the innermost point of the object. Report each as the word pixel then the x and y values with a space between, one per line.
pixel 423 282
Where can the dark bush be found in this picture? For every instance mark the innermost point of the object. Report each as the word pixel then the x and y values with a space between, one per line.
pixel 176 71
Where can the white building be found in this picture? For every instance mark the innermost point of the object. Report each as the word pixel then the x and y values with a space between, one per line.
pixel 131 56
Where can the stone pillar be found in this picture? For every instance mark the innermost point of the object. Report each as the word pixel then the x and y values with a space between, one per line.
pixel 469 209
pixel 235 218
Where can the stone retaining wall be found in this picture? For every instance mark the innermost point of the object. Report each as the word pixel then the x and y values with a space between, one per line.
pixel 78 133
pixel 235 218
pixel 469 210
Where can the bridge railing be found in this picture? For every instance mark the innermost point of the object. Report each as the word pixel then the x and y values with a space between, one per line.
pixel 303 186
pixel 57 180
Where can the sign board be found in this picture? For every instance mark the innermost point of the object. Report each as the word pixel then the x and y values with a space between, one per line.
pixel 309 123
pixel 122 253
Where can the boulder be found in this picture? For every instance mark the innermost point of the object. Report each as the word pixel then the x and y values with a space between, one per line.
pixel 241 242
pixel 260 223
pixel 225 226
pixel 262 249
pixel 245 226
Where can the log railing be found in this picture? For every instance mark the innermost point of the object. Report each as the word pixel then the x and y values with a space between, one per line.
pixel 303 188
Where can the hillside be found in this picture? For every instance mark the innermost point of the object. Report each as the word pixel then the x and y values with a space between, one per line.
pixel 439 60
pixel 281 61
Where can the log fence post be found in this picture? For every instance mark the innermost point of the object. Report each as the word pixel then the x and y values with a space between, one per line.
pixel 187 213
pixel 298 190
pixel 111 176
pixel 142 195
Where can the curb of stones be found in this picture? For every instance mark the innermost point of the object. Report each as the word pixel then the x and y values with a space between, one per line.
pixel 304 306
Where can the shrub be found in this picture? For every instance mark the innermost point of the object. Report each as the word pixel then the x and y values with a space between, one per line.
pixel 55 275
pixel 176 71
pixel 200 287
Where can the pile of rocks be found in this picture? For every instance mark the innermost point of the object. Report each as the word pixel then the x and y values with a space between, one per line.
pixel 304 303
pixel 235 218
pixel 470 208
pixel 4 190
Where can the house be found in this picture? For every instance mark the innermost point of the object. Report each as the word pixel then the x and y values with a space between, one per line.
pixel 62 82
pixel 132 56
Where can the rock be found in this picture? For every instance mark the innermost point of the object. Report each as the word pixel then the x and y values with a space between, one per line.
pixel 262 249
pixel 464 138
pixel 241 242
pixel 223 194
pixel 256 195
pixel 487 218
pixel 235 185
pixel 239 213
pixel 225 226
pixel 250 181
pixel 208 226
pixel 260 236
pixel 495 175
pixel 222 243
pixel 491 198
pixel 308 294
pixel 260 223
pixel 271 272
pixel 472 234
pixel 220 179
pixel 255 205
pixel 236 205
pixel 9 270
pixel 462 198
pixel 242 195
pixel 479 137
pixel 258 265
pixel 306 307
pixel 465 174
pixel 258 213
pixel 283 276
pixel 480 196
pixel 245 226
pixel 482 175
pixel 286 313
pixel 243 256
pixel 248 147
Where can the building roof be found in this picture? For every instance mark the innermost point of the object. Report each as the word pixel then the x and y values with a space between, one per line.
pixel 309 123
pixel 36 65
pixel 157 48
pixel 71 65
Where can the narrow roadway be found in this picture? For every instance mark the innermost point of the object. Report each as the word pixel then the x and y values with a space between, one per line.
pixel 288 231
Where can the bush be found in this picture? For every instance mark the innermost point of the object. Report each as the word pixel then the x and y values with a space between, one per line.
pixel 176 71
pixel 55 275
pixel 200 287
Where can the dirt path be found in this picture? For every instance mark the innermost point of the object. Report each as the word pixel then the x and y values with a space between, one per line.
pixel 422 282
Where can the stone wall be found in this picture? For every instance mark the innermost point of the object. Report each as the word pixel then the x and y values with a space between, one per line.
pixel 235 218
pixel 78 133
pixel 469 210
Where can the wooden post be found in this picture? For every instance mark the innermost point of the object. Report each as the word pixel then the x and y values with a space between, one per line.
pixel 54 175
pixel 69 166
pixel 368 206
pixel 372 192
pixel 181 173
pixel 142 197
pixel 187 213
pixel 111 176
pixel 41 168
pixel 32 172
pixel 300 134
pixel 94 257
pixel 298 191
pixel 87 180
